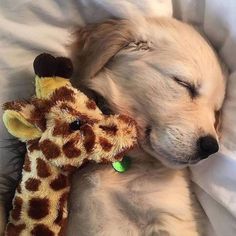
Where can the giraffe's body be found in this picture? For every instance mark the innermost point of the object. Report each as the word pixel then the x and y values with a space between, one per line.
pixel 62 129
pixel 39 206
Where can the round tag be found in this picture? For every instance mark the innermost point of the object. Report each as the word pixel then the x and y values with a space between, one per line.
pixel 123 165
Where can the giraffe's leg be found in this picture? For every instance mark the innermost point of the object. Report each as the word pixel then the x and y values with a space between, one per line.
pixel 15 230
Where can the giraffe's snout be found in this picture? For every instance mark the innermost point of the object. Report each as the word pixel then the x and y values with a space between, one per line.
pixel 121 130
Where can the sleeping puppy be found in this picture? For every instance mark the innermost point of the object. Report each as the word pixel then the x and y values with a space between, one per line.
pixel 165 75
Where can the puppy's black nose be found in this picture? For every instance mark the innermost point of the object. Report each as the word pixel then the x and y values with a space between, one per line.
pixel 207 145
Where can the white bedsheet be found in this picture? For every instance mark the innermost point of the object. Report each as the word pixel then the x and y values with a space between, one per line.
pixel 29 27
pixel 216 176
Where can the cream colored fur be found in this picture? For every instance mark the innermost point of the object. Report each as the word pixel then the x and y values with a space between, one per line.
pixel 134 66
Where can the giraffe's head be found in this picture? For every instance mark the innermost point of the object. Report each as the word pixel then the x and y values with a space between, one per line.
pixel 65 123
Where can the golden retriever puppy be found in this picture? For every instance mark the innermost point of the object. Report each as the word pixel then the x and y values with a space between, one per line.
pixel 165 75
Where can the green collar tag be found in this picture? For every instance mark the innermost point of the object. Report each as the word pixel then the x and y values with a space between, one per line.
pixel 123 165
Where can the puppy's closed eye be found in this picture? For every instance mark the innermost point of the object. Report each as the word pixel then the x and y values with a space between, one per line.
pixel 190 87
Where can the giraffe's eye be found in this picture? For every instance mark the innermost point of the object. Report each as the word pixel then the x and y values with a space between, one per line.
pixel 75 125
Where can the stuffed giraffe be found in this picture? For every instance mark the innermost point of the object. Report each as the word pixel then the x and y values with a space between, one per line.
pixel 62 129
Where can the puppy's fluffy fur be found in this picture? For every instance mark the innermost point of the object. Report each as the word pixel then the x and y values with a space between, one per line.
pixel 165 75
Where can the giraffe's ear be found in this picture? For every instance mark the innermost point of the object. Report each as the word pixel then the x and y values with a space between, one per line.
pixel 18 126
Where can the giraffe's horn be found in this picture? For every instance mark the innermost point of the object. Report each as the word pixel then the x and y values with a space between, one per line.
pixel 51 73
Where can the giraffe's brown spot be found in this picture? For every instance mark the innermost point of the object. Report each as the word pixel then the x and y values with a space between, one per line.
pixel 89 137
pixel 38 208
pixel 105 144
pixel 105 161
pixel 15 105
pixel 19 190
pixel 14 230
pixel 43 169
pixel 63 94
pixel 50 149
pixel 83 117
pixel 32 184
pixel 43 106
pixel 17 207
pixel 119 156
pixel 41 230
pixel 90 104
pixel 69 109
pixel 33 145
pixel 63 227
pixel 61 128
pixel 129 121
pixel 109 129
pixel 69 168
pixel 27 164
pixel 61 206
pixel 126 119
pixel 37 117
pixel 60 182
pixel 70 150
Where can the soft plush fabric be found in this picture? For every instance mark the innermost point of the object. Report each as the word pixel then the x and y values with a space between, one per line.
pixel 62 129
pixel 29 27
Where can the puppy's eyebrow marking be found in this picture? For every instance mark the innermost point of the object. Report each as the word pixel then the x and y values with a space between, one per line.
pixel 139 45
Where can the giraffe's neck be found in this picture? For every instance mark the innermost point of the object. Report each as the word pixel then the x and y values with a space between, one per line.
pixel 40 202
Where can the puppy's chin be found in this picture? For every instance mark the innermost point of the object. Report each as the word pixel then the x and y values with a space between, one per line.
pixel 167 159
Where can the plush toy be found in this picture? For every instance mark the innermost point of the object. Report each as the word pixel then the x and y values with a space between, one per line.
pixel 62 129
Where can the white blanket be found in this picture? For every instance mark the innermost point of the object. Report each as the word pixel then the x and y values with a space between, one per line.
pixel 29 27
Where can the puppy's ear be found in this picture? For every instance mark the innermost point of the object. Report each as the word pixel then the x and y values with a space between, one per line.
pixel 219 113
pixel 96 44
pixel 218 122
